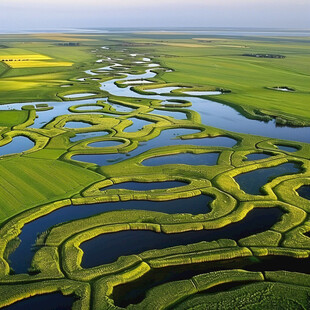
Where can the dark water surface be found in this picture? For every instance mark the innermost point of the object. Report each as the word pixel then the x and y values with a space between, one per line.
pixel 145 186
pixel 134 292
pixel 304 192
pixel 251 182
pixel 257 156
pixel 51 301
pixel 21 258
pixel 209 159
pixel 106 248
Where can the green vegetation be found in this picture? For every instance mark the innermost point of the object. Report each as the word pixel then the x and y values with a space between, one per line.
pixel 12 118
pixel 46 178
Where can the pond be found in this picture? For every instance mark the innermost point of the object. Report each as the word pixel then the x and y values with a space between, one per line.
pixel 135 291
pixel 137 124
pixel 145 186
pixel 171 113
pixel 93 107
pixel 21 258
pixel 257 156
pixel 137 82
pixel 121 108
pixel 87 135
pixel 166 137
pixel 18 144
pixel 51 301
pixel 106 143
pixel 209 159
pixel 251 182
pixel 304 192
pixel 202 93
pixel 131 242
pixel 114 245
pixel 162 90
pixel 76 124
pixel 286 148
pixel 81 95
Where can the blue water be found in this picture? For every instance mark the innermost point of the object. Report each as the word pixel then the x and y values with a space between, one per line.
pixel 286 148
pixel 212 113
pixel 144 186
pixel 106 248
pixel 176 115
pixel 94 108
pixel 21 258
pixel 251 182
pixel 81 95
pixel 51 301
pixel 167 137
pixel 77 124
pixel 17 145
pixel 121 108
pixel 87 135
pixel 257 156
pixel 107 143
pixel 137 124
pixel 209 159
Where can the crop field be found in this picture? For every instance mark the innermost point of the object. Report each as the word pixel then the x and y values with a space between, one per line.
pixel 156 171
pixel 31 61
pixel 35 63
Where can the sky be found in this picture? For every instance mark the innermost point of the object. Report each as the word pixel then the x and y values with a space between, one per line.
pixel 57 14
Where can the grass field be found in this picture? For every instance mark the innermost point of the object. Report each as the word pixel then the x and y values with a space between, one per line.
pixel 33 70
pixel 52 202
pixel 219 63
pixel 203 61
pixel 12 118
pixel 27 182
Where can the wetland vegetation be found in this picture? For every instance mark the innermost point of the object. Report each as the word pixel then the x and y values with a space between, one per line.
pixel 138 172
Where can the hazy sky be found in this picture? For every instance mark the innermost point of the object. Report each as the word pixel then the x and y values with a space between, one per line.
pixel 38 14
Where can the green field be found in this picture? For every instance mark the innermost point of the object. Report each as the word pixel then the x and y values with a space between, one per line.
pixel 264 269
pixel 203 62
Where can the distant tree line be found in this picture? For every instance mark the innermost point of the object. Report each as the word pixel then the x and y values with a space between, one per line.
pixel 69 44
pixel 264 55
